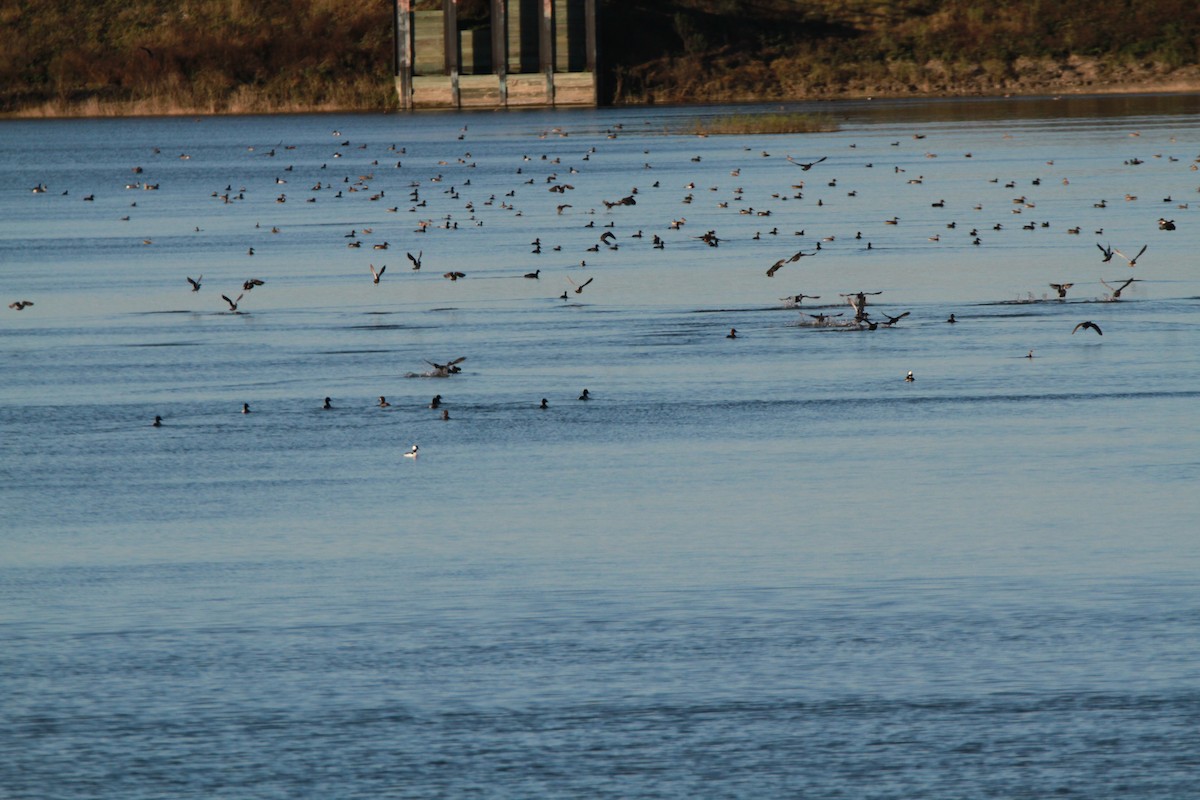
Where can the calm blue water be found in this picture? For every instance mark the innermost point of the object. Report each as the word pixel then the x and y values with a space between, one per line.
pixel 755 567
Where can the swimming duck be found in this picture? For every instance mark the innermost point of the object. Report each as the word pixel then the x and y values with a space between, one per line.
pixel 412 453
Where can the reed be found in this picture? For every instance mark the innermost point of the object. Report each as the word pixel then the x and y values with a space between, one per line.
pixel 759 123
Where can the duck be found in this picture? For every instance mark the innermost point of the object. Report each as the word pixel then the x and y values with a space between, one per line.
pixel 413 452
pixel 383 403
pixel 447 369
pixel 1116 291
pixel 732 334
pixel 952 320
pixel 909 377
pixel 545 404
pixel 157 422
pixel 436 402
pixel 328 404
pixel 245 408
pixel 585 395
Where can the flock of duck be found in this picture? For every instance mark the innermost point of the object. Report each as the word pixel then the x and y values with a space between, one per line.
pixel 436 202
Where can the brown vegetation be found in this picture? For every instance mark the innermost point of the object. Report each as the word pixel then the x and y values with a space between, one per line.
pixel 231 56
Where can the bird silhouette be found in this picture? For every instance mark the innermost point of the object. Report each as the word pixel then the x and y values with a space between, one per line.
pixel 1107 251
pixel 1088 324
pixel 806 166
pixel 1116 291
pixel 233 304
pixel 375 276
pixel 416 260
pixel 20 305
pixel 195 283
pixel 579 288
pixel 1061 288
pixel 820 318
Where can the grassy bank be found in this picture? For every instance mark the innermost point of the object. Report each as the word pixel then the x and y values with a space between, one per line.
pixel 68 57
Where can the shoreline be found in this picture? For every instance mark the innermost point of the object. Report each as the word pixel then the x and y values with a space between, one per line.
pixel 94 108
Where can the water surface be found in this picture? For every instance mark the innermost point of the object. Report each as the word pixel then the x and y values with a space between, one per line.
pixel 745 567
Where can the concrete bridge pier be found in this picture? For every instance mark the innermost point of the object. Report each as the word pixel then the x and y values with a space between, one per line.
pixel 522 53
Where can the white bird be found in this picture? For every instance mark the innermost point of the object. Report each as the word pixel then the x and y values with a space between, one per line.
pixel 1132 261
pixel 412 453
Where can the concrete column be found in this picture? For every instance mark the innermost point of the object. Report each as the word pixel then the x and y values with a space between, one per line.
pixel 546 48
pixel 402 37
pixel 499 24
pixel 450 22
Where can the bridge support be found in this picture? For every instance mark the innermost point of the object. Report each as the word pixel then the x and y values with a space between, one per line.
pixel 524 53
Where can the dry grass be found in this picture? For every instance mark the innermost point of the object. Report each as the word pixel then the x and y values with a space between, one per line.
pixel 758 123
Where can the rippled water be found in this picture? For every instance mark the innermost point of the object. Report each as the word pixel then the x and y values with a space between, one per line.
pixel 757 567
